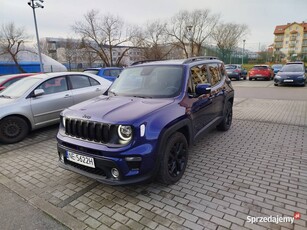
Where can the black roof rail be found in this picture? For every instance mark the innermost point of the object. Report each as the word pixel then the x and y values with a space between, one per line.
pixel 143 61
pixel 192 59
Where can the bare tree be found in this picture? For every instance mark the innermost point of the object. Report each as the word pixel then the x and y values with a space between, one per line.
pixel 227 37
pixel 156 41
pixel 12 41
pixel 201 24
pixel 104 35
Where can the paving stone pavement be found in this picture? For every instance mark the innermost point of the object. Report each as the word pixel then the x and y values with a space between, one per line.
pixel 257 168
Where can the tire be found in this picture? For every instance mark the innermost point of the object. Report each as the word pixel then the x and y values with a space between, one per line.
pixel 227 120
pixel 13 129
pixel 244 78
pixel 174 159
pixel 275 84
pixel 250 79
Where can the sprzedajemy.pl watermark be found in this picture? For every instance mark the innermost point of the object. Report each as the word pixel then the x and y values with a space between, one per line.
pixel 274 219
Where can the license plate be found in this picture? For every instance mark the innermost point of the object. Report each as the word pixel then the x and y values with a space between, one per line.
pixel 258 75
pixel 288 80
pixel 80 159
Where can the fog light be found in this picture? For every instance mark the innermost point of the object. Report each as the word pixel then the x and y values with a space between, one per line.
pixel 133 158
pixel 115 172
pixel 61 156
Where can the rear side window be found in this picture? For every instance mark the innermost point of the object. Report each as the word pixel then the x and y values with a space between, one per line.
pixel 260 67
pixel 79 81
pixel 93 81
pixel 214 73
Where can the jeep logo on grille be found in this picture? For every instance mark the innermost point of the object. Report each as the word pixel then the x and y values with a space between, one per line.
pixel 86 116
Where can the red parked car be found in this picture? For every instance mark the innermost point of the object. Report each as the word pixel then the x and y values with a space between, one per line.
pixel 261 72
pixel 7 80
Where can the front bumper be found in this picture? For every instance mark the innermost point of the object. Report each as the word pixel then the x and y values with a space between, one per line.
pixel 130 171
pixel 295 81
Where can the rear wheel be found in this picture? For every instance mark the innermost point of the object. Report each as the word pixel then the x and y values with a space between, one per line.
pixel 275 84
pixel 174 159
pixel 227 120
pixel 13 129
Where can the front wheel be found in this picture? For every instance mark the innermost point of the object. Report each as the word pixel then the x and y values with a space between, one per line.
pixel 13 129
pixel 174 159
pixel 227 120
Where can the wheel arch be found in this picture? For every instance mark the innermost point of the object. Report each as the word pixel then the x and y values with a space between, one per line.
pixel 20 116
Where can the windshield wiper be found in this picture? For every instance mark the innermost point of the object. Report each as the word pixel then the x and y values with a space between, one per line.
pixel 113 93
pixel 141 96
pixel 5 96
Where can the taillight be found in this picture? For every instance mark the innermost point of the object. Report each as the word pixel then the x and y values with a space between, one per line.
pixel 237 71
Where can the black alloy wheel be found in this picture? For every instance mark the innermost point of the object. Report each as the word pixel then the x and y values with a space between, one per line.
pixel 227 120
pixel 174 160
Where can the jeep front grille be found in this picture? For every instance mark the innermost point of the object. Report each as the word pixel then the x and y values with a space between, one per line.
pixel 88 130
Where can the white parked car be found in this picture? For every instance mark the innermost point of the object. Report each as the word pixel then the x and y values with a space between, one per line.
pixel 37 101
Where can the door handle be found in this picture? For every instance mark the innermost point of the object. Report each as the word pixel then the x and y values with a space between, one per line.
pixel 97 89
pixel 67 96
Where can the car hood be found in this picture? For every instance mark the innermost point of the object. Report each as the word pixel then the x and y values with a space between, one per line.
pixel 116 109
pixel 6 101
pixel 290 74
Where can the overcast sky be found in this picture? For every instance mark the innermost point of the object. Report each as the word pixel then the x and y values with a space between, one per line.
pixel 56 19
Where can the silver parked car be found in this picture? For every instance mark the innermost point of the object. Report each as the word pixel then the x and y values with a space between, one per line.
pixel 37 101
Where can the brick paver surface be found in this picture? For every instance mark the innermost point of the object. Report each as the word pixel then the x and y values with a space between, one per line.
pixel 257 168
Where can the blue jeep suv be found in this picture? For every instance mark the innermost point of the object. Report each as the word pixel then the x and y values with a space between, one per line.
pixel 143 127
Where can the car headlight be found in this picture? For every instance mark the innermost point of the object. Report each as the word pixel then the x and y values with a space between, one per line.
pixel 125 132
pixel 63 121
pixel 301 77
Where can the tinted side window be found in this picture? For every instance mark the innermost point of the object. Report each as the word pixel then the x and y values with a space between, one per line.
pixel 214 73
pixel 79 81
pixel 198 75
pixel 54 85
pixel 106 73
pixel 114 72
pixel 93 81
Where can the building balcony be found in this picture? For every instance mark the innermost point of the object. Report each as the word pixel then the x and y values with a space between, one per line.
pixel 291 44
pixel 293 38
pixel 279 39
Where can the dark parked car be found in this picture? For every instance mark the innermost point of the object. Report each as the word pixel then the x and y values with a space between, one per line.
pixel 153 112
pixel 236 71
pixel 276 68
pixel 291 74
pixel 109 73
pixel 7 80
pixel 261 72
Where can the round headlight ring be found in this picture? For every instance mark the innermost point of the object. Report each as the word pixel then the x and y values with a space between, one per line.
pixel 125 132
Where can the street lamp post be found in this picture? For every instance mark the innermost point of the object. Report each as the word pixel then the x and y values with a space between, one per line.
pixel 189 29
pixel 243 51
pixel 35 4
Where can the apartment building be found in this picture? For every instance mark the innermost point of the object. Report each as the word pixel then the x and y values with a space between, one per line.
pixel 290 41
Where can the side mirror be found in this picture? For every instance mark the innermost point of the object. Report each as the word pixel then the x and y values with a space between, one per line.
pixel 203 89
pixel 38 92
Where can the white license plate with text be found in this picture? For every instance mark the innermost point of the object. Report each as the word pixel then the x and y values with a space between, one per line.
pixel 288 80
pixel 80 159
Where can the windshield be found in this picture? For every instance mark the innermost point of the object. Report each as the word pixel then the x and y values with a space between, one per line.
pixel 293 68
pixel 276 66
pixel 260 67
pixel 230 67
pixel 20 87
pixel 149 81
pixel 92 71
pixel 4 78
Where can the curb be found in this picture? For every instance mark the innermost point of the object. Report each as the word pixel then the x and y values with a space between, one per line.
pixel 43 205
